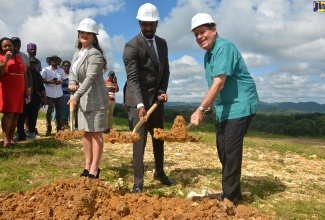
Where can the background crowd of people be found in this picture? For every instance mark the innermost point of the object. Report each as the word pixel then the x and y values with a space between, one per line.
pixel 46 86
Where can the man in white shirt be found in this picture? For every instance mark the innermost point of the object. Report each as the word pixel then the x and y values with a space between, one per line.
pixel 52 79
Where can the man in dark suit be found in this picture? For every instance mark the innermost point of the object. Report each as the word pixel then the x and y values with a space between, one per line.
pixel 146 62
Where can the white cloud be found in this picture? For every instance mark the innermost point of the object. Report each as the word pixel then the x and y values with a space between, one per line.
pixel 180 37
pixel 256 60
pixel 52 24
pixel 187 80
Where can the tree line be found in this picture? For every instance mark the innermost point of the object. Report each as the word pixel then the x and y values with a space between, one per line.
pixel 284 123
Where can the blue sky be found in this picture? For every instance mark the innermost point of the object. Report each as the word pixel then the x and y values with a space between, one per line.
pixel 282 41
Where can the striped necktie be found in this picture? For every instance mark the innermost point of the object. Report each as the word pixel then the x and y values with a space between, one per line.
pixel 153 49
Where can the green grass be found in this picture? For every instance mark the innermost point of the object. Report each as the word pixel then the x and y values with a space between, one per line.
pixel 39 162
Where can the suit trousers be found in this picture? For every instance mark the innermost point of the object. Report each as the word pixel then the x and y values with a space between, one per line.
pixel 229 140
pixel 155 121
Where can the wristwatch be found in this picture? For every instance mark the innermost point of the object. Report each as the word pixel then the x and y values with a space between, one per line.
pixel 201 109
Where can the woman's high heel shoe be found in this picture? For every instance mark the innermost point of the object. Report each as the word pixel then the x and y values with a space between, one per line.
pixel 91 176
pixel 85 173
pixel 97 175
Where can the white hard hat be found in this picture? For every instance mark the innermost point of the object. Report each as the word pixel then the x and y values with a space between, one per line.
pixel 88 25
pixel 200 19
pixel 148 12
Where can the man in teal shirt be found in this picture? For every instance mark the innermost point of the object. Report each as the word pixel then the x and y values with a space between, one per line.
pixel 232 92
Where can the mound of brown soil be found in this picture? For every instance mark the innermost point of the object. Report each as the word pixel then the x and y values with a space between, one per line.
pixel 92 199
pixel 178 133
pixel 115 136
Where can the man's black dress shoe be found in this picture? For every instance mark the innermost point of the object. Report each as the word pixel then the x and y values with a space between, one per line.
pixel 163 178
pixel 137 188
pixel 235 201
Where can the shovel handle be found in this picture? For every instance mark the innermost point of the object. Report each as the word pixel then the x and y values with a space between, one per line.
pixel 71 105
pixel 151 109
pixel 189 126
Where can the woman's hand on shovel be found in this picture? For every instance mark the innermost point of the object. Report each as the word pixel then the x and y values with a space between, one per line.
pixel 72 100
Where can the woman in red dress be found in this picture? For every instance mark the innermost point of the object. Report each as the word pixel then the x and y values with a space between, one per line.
pixel 12 89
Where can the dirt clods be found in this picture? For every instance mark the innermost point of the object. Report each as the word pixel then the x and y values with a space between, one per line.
pixel 178 133
pixel 93 199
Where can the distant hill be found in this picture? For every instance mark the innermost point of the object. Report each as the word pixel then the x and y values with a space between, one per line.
pixel 264 106
pixel 290 106
pixel 182 105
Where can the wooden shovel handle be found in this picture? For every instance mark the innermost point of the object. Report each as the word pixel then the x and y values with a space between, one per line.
pixel 71 105
pixel 151 109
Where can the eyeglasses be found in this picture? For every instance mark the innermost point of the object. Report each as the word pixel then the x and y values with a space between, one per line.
pixel 83 32
pixel 146 24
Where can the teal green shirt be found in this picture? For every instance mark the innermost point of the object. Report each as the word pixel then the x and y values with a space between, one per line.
pixel 239 97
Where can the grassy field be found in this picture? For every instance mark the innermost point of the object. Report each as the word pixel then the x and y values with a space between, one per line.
pixel 282 176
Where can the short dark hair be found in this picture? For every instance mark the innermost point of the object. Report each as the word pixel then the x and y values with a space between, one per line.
pixel 209 25
pixel 111 73
pixel 140 22
pixel 65 61
pixel 15 39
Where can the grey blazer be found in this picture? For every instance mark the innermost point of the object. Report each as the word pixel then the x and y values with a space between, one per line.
pixel 92 93
pixel 145 76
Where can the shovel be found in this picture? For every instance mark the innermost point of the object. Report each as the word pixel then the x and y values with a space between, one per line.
pixel 207 112
pixel 71 105
pixel 114 136
pixel 151 109
pixel 70 133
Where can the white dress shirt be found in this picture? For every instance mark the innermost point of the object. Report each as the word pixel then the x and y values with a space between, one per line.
pixel 53 90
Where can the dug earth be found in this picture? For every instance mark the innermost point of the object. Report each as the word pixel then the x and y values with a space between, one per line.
pixel 93 199
pixel 84 198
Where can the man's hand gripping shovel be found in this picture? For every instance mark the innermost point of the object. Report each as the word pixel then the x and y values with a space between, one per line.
pixel 207 112
pixel 143 120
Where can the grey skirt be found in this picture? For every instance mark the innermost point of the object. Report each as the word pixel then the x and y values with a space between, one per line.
pixel 92 121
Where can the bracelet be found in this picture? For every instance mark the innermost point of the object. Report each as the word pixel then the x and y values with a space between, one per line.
pixel 201 109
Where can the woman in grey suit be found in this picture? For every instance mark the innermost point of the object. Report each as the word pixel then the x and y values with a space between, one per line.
pixel 87 83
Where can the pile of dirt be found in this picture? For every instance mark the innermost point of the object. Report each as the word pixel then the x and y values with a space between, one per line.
pixel 115 136
pixel 178 133
pixel 92 199
pixel 68 134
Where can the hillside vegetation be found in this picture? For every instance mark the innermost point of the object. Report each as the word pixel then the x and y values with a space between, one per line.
pixel 283 121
